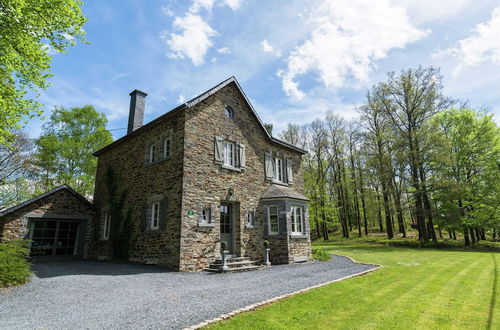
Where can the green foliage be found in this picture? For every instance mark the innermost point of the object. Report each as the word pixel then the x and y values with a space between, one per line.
pixel 269 128
pixel 321 254
pixel 266 243
pixel 122 225
pixel 29 31
pixel 66 145
pixel 468 179
pixel 14 268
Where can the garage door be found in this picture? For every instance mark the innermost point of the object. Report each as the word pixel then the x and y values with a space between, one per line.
pixel 54 238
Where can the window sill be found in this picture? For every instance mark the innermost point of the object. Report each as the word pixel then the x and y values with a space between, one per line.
pixel 147 164
pixel 280 183
pixel 248 226
pixel 150 231
pixel 206 225
pixel 299 236
pixel 231 168
pixel 103 240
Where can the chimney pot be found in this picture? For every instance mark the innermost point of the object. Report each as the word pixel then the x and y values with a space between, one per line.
pixel 136 113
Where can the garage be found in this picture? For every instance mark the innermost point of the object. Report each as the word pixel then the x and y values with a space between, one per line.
pixel 57 223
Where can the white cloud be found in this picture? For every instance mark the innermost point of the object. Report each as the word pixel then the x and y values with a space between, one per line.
pixel 181 99
pixel 482 46
pixel 167 11
pixel 233 4
pixel 425 11
pixel 347 37
pixel 267 48
pixel 194 40
pixel 201 4
pixel 224 50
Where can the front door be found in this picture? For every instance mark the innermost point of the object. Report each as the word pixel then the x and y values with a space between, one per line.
pixel 54 237
pixel 227 226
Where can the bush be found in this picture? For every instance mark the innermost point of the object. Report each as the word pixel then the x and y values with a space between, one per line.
pixel 321 254
pixel 14 268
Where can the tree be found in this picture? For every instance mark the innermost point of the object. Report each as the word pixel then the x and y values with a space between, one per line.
pixel 469 180
pixel 66 145
pixel 269 128
pixel 29 29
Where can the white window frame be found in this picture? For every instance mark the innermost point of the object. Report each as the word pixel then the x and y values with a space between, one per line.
pixel 297 222
pixel 167 151
pixel 206 214
pixel 151 154
pixel 278 173
pixel 107 226
pixel 269 227
pixel 251 219
pixel 155 216
pixel 229 151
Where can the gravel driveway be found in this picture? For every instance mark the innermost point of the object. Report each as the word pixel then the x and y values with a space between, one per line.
pixel 94 294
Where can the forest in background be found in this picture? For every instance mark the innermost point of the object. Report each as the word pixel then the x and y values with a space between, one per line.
pixel 415 161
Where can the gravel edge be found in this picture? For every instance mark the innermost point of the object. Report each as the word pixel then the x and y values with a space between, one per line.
pixel 272 300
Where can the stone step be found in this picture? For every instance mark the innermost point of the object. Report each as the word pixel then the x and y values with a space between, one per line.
pixel 234 259
pixel 236 263
pixel 237 269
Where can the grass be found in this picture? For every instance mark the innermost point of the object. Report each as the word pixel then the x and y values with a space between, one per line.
pixel 14 268
pixel 321 254
pixel 417 288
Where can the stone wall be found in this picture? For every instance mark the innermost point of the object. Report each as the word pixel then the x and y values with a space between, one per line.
pixel 143 181
pixel 206 182
pixel 57 205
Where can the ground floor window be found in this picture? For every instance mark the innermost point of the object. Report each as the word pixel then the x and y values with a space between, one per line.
pixel 107 226
pixel 273 220
pixel 155 215
pixel 297 220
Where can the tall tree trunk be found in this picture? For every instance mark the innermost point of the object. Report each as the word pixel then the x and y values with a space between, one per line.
pixel 483 235
pixel 472 235
pixel 399 209
pixel 379 212
pixel 363 202
pixel 466 237
pixel 388 224
pixel 427 204
pixel 419 208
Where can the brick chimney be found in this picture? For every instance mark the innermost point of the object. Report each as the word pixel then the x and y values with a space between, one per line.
pixel 136 113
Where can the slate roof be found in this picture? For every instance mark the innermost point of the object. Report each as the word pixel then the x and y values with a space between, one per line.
pixel 282 192
pixel 45 194
pixel 195 101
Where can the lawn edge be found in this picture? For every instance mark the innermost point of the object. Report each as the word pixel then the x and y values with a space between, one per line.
pixel 287 295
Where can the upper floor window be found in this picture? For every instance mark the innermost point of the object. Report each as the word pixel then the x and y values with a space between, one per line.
pixel 152 153
pixel 155 215
pixel 229 154
pixel 228 112
pixel 278 168
pixel 166 147
pixel 273 221
pixel 297 220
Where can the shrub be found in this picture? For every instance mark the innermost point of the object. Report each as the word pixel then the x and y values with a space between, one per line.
pixel 321 254
pixel 14 267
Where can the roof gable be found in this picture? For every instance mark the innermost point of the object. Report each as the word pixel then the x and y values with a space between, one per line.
pixel 194 101
pixel 45 194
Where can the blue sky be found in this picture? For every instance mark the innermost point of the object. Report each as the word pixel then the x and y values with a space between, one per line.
pixel 295 60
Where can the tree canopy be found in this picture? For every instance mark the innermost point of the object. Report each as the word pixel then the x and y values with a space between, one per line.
pixel 66 145
pixel 29 31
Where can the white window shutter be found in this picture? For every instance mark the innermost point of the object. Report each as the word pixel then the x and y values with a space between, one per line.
pixel 269 165
pixel 242 156
pixel 289 171
pixel 219 149
pixel 200 214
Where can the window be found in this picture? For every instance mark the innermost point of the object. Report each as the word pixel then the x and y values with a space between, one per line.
pixel 273 220
pixel 206 216
pixel 155 215
pixel 228 112
pixel 278 174
pixel 297 219
pixel 251 219
pixel 152 152
pixel 166 148
pixel 229 154
pixel 107 226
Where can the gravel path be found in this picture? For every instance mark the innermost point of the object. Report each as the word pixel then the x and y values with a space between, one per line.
pixel 93 294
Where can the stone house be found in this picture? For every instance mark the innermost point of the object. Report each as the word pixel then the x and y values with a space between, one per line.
pixel 204 172
pixel 57 222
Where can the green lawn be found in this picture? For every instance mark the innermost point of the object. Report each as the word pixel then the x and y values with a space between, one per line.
pixel 417 288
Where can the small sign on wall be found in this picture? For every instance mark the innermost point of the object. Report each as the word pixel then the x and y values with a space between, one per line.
pixel 190 213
